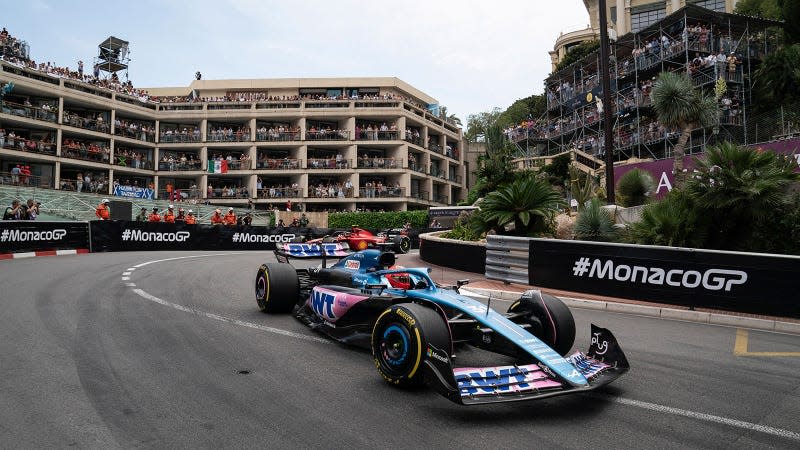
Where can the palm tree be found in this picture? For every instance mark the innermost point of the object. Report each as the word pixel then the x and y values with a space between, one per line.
pixel 595 223
pixel 739 189
pixel 529 204
pixel 678 104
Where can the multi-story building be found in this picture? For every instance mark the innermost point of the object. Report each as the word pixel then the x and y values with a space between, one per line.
pixel 627 16
pixel 327 143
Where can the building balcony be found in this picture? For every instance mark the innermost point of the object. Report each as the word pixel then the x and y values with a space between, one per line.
pixel 382 192
pixel 276 136
pixel 29 112
pixel 328 135
pixel 278 164
pixel 377 135
pixel 327 163
pixel 28 145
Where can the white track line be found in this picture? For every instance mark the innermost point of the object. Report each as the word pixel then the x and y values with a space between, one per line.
pixel 702 416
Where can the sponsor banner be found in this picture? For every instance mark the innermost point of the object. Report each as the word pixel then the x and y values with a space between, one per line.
pixel 744 282
pixel 119 235
pixel 133 192
pixel 29 235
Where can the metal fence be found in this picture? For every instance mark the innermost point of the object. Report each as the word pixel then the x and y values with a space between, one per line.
pixel 507 258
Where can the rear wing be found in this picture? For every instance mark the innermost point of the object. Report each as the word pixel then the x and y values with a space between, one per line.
pixel 321 250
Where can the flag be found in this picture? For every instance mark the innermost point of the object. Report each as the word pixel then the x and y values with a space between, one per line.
pixel 217 166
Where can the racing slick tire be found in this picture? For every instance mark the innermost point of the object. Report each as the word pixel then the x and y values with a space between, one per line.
pixel 277 288
pixel 400 341
pixel 549 318
pixel 402 244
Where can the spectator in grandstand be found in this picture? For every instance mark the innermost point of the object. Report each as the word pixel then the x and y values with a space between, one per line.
pixel 190 219
pixel 102 212
pixel 15 171
pixel 142 217
pixel 154 216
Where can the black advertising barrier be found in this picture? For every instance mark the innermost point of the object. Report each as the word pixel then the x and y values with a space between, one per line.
pixel 120 235
pixel 733 281
pixel 453 254
pixel 32 235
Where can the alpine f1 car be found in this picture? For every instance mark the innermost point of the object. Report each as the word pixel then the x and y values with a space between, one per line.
pixel 360 239
pixel 416 329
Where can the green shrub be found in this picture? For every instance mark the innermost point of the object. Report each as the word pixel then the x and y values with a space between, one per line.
pixel 595 223
pixel 634 188
pixel 378 220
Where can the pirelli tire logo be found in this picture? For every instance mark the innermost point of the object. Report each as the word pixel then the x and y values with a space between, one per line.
pixel 30 236
pixel 153 236
pixel 712 279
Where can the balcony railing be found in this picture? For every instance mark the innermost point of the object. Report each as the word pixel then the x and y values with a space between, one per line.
pixel 327 163
pixel 87 123
pixel 278 163
pixel 180 195
pixel 28 145
pixel 101 155
pixel 416 140
pixel 132 162
pixel 179 138
pixel 329 191
pixel 377 135
pixel 224 137
pixel 420 195
pixel 416 167
pixel 441 199
pixel 280 192
pixel 139 135
pixel 435 147
pixel 30 112
pixel 380 163
pixel 328 135
pixel 277 136
pixel 177 166
pixel 381 192
pixel 7 178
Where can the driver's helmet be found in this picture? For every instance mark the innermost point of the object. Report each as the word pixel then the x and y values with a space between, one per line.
pixel 400 280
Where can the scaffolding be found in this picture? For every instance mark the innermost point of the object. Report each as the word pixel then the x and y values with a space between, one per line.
pixel 113 56
pixel 573 121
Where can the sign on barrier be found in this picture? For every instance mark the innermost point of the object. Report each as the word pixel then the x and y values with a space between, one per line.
pixel 29 236
pixel 744 282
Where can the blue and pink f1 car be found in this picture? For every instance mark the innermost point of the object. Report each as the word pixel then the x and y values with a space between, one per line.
pixel 418 331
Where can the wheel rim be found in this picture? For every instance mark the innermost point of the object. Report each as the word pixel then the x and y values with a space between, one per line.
pixel 405 244
pixel 394 349
pixel 261 290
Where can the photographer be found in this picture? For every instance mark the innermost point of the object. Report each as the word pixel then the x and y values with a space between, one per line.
pixel 32 209
pixel 14 211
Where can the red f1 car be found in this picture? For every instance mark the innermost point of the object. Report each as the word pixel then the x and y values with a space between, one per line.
pixel 361 239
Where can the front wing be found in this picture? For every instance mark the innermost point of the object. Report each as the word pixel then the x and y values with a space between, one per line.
pixel 602 364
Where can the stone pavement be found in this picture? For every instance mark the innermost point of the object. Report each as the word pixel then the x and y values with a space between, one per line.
pixel 480 287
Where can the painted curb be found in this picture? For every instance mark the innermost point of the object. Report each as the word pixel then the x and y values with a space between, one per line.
pixel 79 251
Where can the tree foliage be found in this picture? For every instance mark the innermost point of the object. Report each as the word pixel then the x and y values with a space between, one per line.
pixel 527 205
pixel 378 220
pixel 478 124
pixel 577 53
pixel 635 188
pixel 595 223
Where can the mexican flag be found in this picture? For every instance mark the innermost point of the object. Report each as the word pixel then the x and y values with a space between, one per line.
pixel 217 166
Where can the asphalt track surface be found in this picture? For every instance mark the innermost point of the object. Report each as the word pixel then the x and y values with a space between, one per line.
pixel 185 359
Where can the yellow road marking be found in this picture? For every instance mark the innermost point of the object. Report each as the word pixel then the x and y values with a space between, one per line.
pixel 740 347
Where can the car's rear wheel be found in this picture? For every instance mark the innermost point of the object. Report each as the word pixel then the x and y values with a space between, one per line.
pixel 401 337
pixel 277 288
pixel 402 244
pixel 549 318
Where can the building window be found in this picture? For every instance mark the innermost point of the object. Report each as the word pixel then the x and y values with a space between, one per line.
pixel 646 15
pixel 714 5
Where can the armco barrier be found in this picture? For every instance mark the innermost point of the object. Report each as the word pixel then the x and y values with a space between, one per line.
pixel 733 281
pixel 507 259
pixel 29 236
pixel 459 255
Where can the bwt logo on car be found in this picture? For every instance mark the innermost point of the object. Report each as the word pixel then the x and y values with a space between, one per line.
pixel 25 236
pixel 255 238
pixel 711 279
pixel 152 236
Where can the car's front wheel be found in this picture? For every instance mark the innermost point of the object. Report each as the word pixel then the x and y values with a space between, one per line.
pixel 402 244
pixel 402 336
pixel 548 318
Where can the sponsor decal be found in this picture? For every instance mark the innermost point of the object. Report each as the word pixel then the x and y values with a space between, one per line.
pixel 588 366
pixel 26 236
pixel 601 347
pixel 299 250
pixel 153 236
pixel 261 238
pixel 486 338
pixel 499 380
pixel 352 264
pixel 435 355
pixel 711 279
pixel 322 304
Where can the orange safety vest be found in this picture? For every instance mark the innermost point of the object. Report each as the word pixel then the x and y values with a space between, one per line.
pixel 216 219
pixel 154 217
pixel 190 220
pixel 230 219
pixel 169 217
pixel 102 211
